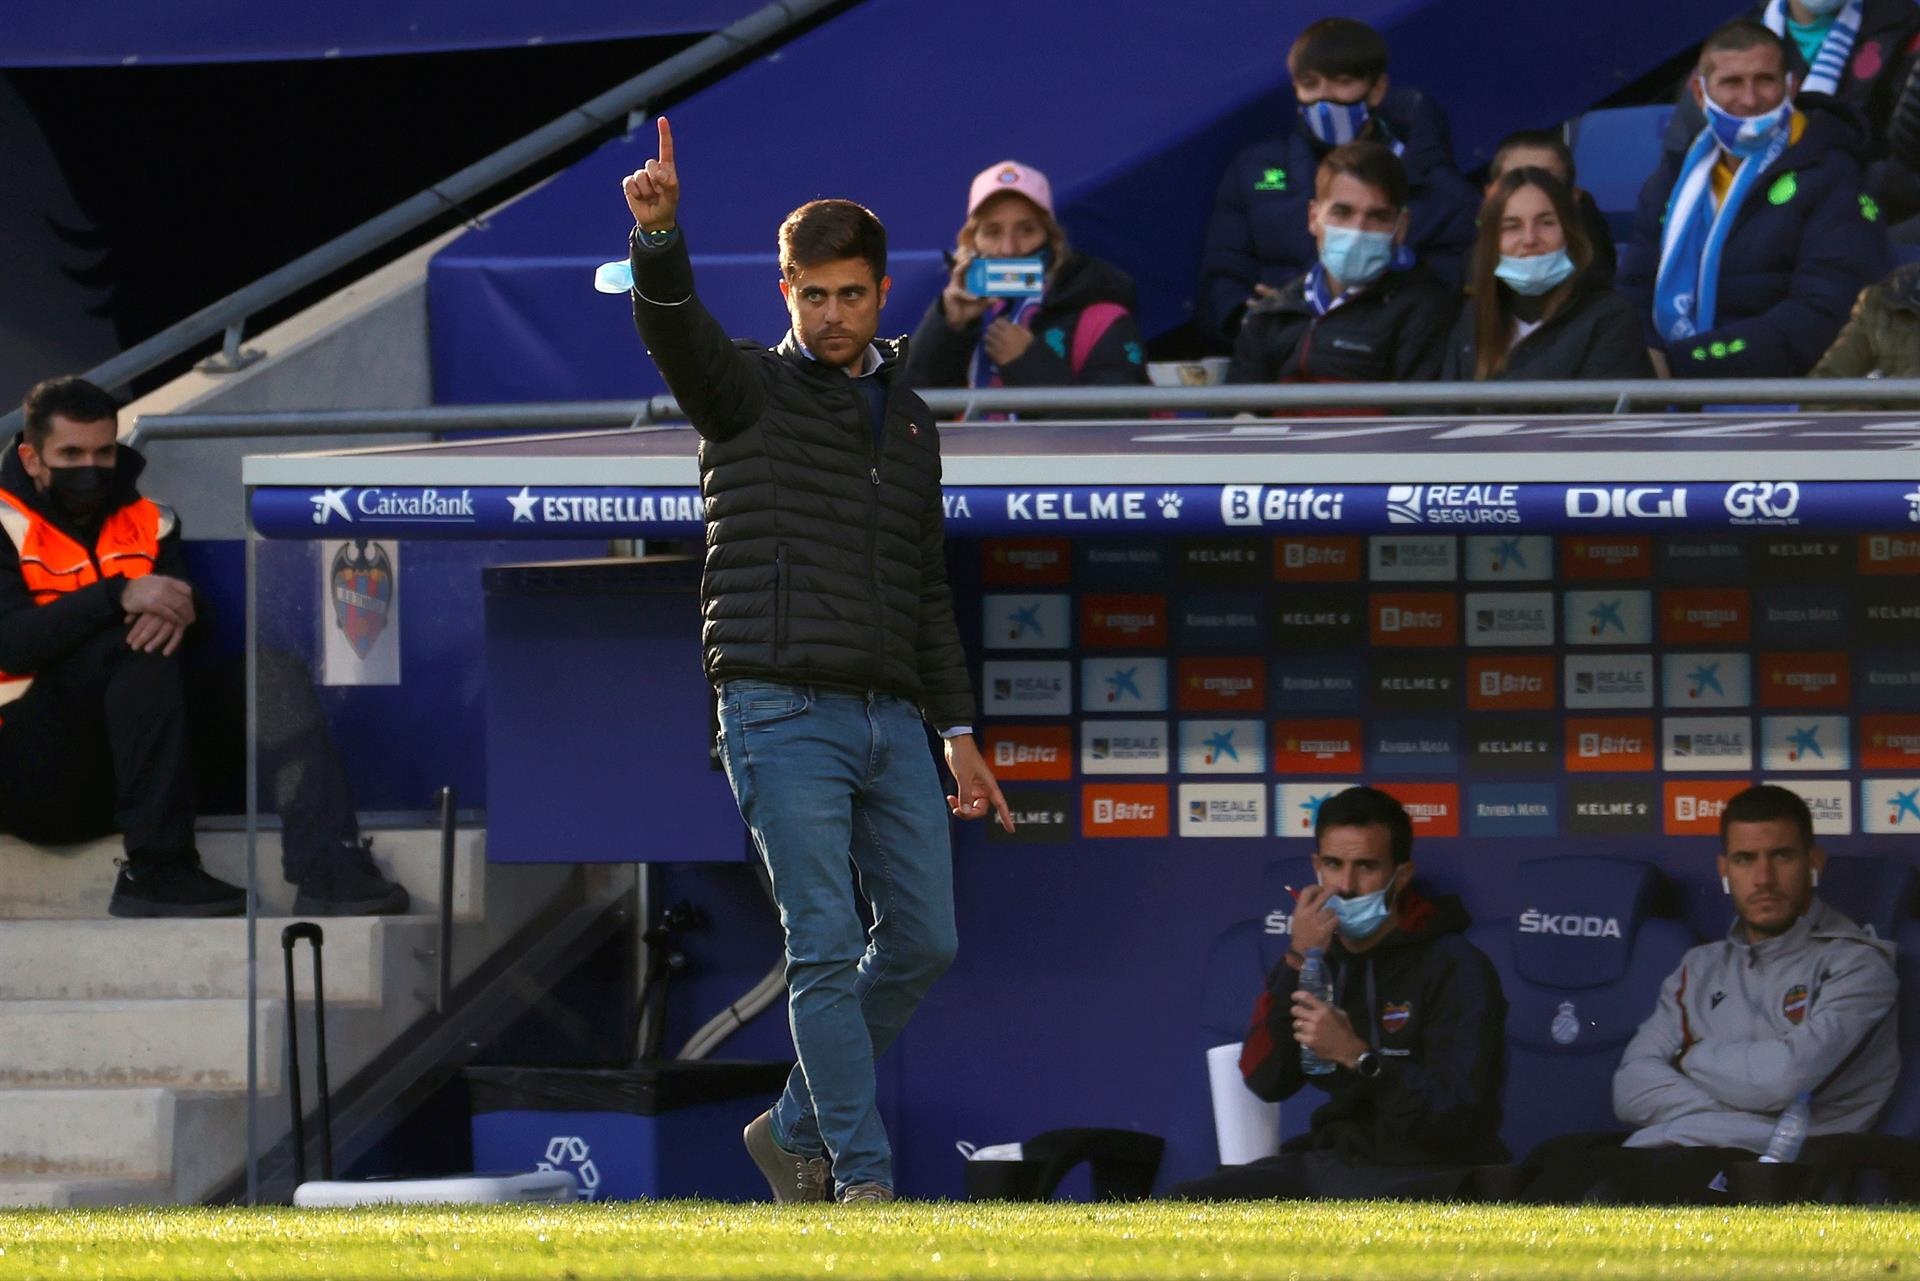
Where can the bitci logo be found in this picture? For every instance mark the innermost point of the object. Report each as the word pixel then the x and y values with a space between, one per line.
pixel 1316 560
pixel 1609 744
pixel 1510 683
pixel 1692 807
pixel 1036 753
pixel 1124 809
pixel 1414 618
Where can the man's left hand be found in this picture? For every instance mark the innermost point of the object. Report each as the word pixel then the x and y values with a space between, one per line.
pixel 152 634
pixel 1325 1030
pixel 974 783
pixel 1006 342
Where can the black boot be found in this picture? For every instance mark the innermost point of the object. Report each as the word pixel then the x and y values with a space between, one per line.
pixel 346 883
pixel 160 886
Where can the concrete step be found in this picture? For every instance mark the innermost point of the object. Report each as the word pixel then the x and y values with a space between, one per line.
pixel 123 1134
pixel 67 1193
pixel 73 960
pixel 75 881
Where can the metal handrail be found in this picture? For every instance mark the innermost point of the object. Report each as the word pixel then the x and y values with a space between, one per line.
pixel 230 313
pixel 1138 402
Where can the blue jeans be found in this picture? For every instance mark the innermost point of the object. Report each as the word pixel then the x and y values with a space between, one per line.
pixel 825 776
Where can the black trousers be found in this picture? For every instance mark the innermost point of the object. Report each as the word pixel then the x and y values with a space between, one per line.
pixel 104 741
pixel 1594 1167
pixel 1295 1175
pixel 99 743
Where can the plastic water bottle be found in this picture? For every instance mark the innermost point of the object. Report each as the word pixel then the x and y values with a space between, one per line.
pixel 1789 1132
pixel 1316 982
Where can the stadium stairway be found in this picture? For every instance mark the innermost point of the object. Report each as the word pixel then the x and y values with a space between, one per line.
pixel 123 1044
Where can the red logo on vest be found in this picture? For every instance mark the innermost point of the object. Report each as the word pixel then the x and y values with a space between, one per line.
pixel 1794 1003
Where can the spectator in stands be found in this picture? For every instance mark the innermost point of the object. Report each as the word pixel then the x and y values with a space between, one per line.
pixel 1860 53
pixel 1538 312
pixel 1079 331
pixel 1546 149
pixel 1368 310
pixel 830 638
pixel 1882 337
pixel 94 605
pixel 1749 248
pixel 1257 239
pixel 1416 1028
pixel 1795 1000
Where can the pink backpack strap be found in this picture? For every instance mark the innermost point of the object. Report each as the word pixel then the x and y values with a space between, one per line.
pixel 1092 326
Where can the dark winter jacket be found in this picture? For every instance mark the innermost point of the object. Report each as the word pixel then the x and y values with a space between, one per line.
pixel 942 355
pixel 1430 1005
pixel 1807 241
pixel 1393 331
pixel 1595 334
pixel 1882 337
pixel 34 637
pixel 1878 69
pixel 1258 231
pixel 826 550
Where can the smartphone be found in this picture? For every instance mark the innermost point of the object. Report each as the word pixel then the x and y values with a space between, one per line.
pixel 1006 277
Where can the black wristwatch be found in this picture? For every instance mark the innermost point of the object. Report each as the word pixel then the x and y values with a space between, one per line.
pixel 1367 1066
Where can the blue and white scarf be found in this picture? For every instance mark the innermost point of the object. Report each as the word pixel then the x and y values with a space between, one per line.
pixel 1686 288
pixel 1830 63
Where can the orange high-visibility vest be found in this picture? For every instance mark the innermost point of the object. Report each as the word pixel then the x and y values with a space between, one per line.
pixel 53 564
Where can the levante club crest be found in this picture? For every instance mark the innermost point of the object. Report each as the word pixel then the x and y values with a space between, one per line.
pixel 362 585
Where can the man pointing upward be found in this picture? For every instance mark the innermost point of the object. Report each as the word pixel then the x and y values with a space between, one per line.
pixel 827 630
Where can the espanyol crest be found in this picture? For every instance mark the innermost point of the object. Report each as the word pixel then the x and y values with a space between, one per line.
pixel 1566 1024
pixel 361 584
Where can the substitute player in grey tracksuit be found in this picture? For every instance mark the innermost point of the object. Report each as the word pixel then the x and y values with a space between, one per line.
pixel 1797 999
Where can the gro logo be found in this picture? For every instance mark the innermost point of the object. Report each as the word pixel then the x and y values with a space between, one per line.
pixel 1534 921
pixel 1763 500
pixel 571 1153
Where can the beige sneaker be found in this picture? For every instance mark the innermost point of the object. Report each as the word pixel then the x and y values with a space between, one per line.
pixel 866 1192
pixel 792 1177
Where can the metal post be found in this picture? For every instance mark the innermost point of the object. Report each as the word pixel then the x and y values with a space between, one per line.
pixel 320 1057
pixel 444 1000
pixel 253 841
pixel 288 937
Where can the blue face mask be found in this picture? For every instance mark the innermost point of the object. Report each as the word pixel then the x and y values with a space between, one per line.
pixel 1745 136
pixel 1537 275
pixel 1361 917
pixel 1354 257
pixel 1335 123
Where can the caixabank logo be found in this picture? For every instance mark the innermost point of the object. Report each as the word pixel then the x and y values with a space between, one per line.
pixel 1025 622
pixel 1123 684
pixel 1124 810
pixel 1223 747
pixel 1608 617
pixel 1805 744
pixel 1296 807
pixel 1509 558
pixel 1890 806
pixel 1706 680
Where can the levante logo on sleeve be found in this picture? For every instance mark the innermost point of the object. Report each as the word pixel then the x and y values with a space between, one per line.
pixel 361 581
pixel 1794 1003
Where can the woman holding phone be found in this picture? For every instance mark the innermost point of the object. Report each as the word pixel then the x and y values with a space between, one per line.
pixel 1077 330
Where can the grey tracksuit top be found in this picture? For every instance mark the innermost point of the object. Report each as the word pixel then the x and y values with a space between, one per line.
pixel 1742 1028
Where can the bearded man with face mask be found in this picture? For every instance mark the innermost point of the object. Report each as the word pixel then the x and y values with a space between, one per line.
pixel 1415 1031
pixel 1749 248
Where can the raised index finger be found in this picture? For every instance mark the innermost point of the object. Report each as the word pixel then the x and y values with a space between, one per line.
pixel 666 141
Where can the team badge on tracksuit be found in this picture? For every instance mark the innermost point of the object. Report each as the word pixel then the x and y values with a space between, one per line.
pixel 1396 1015
pixel 1794 1003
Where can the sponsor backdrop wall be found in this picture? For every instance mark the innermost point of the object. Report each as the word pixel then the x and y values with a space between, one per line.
pixel 1167 713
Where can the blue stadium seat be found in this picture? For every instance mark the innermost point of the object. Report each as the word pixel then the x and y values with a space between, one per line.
pixel 1880 893
pixel 1581 966
pixel 1614 153
pixel 1237 966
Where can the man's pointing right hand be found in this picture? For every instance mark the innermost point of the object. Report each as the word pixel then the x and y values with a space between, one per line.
pixel 653 193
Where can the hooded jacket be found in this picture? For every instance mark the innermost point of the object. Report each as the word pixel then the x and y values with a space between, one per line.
pixel 826 556
pixel 1807 241
pixel 1594 334
pixel 1882 337
pixel 942 355
pixel 1743 1028
pixel 36 635
pixel 1394 330
pixel 1430 1004
pixel 1258 231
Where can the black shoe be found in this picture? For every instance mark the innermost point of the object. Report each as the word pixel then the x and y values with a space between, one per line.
pixel 350 885
pixel 156 887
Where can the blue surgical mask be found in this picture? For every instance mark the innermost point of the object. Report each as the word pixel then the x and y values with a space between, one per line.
pixel 1335 123
pixel 1354 257
pixel 1745 136
pixel 1536 275
pixel 1361 917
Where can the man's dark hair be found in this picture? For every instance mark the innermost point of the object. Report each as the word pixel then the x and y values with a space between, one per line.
pixel 1367 807
pixel 1532 140
pixel 1767 803
pixel 829 230
pixel 1339 47
pixel 72 398
pixel 1739 36
pixel 1372 163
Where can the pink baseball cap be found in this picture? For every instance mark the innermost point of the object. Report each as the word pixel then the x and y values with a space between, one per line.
pixel 1010 175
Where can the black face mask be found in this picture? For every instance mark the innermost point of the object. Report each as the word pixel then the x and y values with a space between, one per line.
pixel 80 491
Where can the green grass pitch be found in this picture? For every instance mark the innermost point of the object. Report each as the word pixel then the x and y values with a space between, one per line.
pixel 938 1240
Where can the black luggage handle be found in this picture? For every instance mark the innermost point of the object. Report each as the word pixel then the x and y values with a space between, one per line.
pixel 290 936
